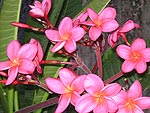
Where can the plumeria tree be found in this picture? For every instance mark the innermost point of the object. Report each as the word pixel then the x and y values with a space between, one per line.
pixel 47 61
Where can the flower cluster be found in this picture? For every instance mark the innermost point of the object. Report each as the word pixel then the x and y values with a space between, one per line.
pixel 87 92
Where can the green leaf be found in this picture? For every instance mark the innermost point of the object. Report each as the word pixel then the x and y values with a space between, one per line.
pixel 10 10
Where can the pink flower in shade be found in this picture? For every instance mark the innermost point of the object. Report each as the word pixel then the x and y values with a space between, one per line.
pixel 113 37
pixel 135 56
pixel 69 85
pixel 103 22
pixel 132 100
pixel 66 36
pixel 40 9
pixel 20 60
pixel 98 97
pixel 39 55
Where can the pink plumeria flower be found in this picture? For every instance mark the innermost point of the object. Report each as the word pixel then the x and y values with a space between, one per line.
pixel 132 100
pixel 69 85
pixel 20 60
pixel 66 36
pixel 98 97
pixel 80 19
pixel 128 26
pixel 135 56
pixel 102 22
pixel 39 55
pixel 40 10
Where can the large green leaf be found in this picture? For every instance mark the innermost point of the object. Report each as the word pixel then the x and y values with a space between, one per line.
pixel 9 12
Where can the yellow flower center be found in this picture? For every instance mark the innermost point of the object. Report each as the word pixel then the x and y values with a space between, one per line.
pixel 136 56
pixel 65 37
pixel 15 62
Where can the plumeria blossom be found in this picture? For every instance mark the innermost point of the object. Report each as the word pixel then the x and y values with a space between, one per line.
pixel 98 97
pixel 135 56
pixel 39 55
pixel 69 85
pixel 20 60
pixel 132 100
pixel 114 36
pixel 102 22
pixel 66 36
pixel 40 9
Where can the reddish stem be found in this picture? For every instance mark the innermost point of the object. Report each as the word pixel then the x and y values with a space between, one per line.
pixel 125 39
pixel 113 78
pixel 56 62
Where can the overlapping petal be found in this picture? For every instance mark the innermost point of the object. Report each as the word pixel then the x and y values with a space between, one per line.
pixel 5 65
pixel 128 66
pixel 46 6
pixel 70 46
pixel 109 25
pixel 53 35
pixel 92 14
pixel 138 45
pixel 101 108
pixel 143 102
pixel 77 33
pixel 58 46
pixel 94 33
pixel 141 66
pixel 146 54
pixel 129 25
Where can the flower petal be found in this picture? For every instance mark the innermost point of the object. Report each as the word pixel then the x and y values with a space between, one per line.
pixel 138 45
pixel 70 46
pixel 141 66
pixel 12 74
pixel 93 84
pixel 135 91
pixel 5 65
pixel 12 49
pixel 143 102
pixel 109 26
pixel 77 84
pixel 123 51
pixel 107 13
pixel 111 89
pixel 53 35
pixel 26 66
pixel 65 26
pixel 58 46
pixel 101 108
pixel 129 25
pixel 85 104
pixel 112 106
pixel 146 54
pixel 77 33
pixel 36 13
pixel 74 98
pixel 55 85
pixel 128 66
pixel 27 51
pixel 46 6
pixel 66 76
pixel 94 33
pixel 63 103
pixel 92 14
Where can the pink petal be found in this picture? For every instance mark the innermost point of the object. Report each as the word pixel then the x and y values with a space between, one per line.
pixel 77 33
pixel 70 46
pixel 46 6
pixel 112 106
pixel 129 25
pixel 88 22
pixel 53 35
pixel 12 49
pixel 135 91
pixel 94 33
pixel 92 14
pixel 26 66
pixel 137 110
pixel 5 65
pixel 74 98
pixel 111 89
pixel 125 110
pixel 93 84
pixel 123 51
pixel 141 66
pixel 138 45
pixel 108 13
pixel 76 86
pixel 66 76
pixel 36 13
pixel 55 85
pixel 83 16
pixel 58 46
pixel 63 103
pixel 109 26
pixel 27 51
pixel 146 54
pixel 143 102
pixel 12 74
pixel 128 66
pixel 65 26
pixel 85 104
pixel 37 4
pixel 101 108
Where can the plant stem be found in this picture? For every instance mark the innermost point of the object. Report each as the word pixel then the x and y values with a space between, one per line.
pixel 49 102
pixel 113 78
pixel 43 86
pixel 98 59
pixel 56 62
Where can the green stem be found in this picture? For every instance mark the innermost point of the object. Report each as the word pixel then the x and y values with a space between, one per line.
pixel 113 78
pixel 16 104
pixel 10 99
